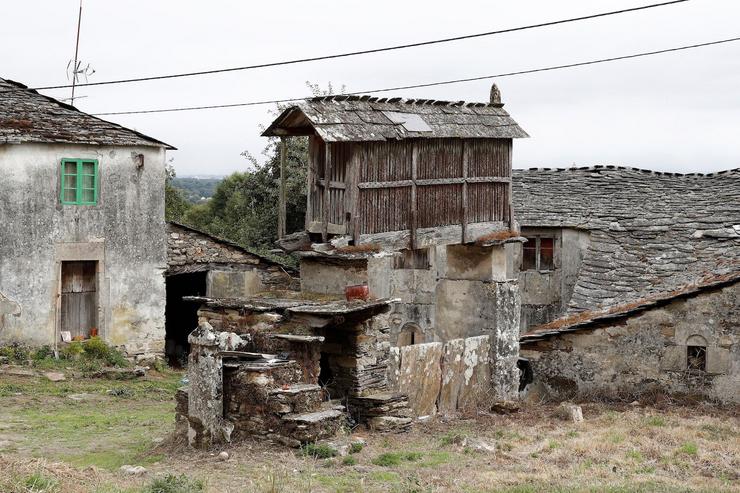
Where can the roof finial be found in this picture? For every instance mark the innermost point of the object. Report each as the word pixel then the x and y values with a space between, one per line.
pixel 495 94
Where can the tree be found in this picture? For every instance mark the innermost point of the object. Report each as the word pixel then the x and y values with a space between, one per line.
pixel 244 207
pixel 175 205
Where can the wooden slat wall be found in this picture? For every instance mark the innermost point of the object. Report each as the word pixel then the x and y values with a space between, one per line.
pixel 388 166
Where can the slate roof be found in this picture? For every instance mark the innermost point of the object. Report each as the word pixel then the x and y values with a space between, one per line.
pixel 652 233
pixel 366 118
pixel 27 116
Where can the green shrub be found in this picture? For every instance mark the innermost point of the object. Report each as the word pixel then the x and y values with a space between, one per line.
pixel 16 352
pixel 390 459
pixel 318 451
pixel 356 447
pixel 73 351
pixel 96 348
pixel 175 484
pixel 349 461
pixel 42 353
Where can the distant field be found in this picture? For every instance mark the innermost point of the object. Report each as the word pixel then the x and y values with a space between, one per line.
pixel 73 436
pixel 196 189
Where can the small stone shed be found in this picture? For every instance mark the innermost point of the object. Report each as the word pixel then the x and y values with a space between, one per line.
pixel 640 294
pixel 200 264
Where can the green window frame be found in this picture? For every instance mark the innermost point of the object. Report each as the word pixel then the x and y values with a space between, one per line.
pixel 79 183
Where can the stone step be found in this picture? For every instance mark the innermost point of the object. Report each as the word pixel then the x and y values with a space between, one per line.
pixel 313 417
pixel 296 388
pixel 313 426
pixel 295 398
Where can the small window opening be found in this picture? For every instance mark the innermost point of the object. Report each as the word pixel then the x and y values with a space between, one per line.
pixel 538 254
pixel 696 358
pixel 410 334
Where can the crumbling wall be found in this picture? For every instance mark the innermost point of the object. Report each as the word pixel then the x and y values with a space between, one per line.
pixel 647 352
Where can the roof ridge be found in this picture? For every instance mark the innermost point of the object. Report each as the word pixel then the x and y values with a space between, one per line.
pixel 612 167
pixel 411 101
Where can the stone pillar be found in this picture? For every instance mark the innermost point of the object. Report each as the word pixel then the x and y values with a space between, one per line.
pixel 206 425
pixel 505 340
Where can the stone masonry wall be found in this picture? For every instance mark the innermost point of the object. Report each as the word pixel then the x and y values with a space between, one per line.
pixel 193 251
pixel 647 352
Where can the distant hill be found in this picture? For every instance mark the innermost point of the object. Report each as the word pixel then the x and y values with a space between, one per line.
pixel 196 189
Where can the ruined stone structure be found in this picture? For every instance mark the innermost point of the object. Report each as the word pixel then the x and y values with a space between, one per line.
pixel 409 215
pixel 199 264
pixel 633 293
pixel 82 234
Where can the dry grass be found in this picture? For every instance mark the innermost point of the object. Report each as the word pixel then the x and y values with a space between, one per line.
pixel 616 448
pixel 496 236
pixel 365 248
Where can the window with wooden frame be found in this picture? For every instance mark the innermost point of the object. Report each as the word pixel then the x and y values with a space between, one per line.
pixel 79 183
pixel 538 253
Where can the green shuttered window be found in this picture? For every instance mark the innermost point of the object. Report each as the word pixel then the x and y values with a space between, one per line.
pixel 79 181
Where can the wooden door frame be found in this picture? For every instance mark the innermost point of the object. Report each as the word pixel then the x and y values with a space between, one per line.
pixel 75 252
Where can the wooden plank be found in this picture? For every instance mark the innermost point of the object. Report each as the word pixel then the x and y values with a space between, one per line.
pixel 464 213
pixel 414 166
pixel 281 198
pixel 332 184
pixel 434 181
pixel 351 196
pixel 325 208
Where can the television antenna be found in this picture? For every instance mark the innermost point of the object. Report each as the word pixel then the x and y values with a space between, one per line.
pixel 75 70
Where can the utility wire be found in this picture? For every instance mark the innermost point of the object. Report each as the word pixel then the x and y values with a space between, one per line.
pixel 430 84
pixel 366 52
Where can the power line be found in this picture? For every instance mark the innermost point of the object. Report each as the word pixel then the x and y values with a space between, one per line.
pixel 369 51
pixel 431 84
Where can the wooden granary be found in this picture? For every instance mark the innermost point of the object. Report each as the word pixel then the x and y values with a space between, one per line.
pixel 401 171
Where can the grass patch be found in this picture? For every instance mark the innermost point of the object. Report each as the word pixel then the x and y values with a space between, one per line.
pixel 349 461
pixel 318 451
pixel 688 448
pixel 635 455
pixel 452 438
pixel 174 484
pixel 356 447
pixel 658 421
pixel 391 459
pixel 37 482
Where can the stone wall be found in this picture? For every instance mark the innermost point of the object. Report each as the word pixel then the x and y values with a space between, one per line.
pixel 646 352
pixel 458 375
pixel 124 233
pixel 232 270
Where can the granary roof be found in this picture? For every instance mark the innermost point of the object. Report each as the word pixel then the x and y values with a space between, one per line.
pixel 652 233
pixel 366 118
pixel 27 116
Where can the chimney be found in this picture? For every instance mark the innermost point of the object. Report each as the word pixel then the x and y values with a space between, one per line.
pixel 495 94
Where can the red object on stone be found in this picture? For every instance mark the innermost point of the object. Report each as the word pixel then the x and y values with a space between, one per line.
pixel 357 292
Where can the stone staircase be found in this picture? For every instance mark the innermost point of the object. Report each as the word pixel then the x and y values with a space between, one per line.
pixel 271 401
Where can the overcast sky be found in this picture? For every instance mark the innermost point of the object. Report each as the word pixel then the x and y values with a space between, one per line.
pixel 678 112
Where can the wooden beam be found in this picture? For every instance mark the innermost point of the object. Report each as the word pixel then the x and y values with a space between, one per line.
pixel 464 218
pixel 281 199
pixel 414 216
pixel 435 181
pixel 327 176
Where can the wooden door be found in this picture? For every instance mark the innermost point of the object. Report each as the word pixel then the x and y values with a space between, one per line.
pixel 79 297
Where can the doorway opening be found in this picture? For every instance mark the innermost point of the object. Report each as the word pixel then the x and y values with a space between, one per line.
pixel 79 303
pixel 181 317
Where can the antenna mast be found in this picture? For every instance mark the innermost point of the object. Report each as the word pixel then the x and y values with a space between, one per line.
pixel 77 48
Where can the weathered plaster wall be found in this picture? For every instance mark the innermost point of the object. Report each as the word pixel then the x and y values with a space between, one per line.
pixel 647 352
pixel 546 294
pixel 125 231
